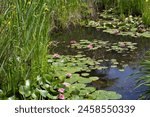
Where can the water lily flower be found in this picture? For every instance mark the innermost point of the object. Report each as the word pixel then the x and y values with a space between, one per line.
pixel 90 46
pixel 61 96
pixel 73 42
pixel 122 44
pixel 66 84
pixel 116 32
pixel 68 75
pixel 56 56
pixel 61 90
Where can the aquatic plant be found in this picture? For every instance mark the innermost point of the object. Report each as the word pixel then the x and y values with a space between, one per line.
pixel 62 87
pixel 111 23
pixel 131 6
pixel 123 47
pixel 25 70
pixel 145 78
pixel 135 7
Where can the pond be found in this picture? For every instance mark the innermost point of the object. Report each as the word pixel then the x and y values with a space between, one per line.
pixel 119 64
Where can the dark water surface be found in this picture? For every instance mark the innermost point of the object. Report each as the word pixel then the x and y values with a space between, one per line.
pixel 114 79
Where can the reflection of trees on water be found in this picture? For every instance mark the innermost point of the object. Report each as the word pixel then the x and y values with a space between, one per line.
pixel 104 83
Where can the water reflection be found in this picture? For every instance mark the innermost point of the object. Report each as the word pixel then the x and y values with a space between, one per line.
pixel 122 82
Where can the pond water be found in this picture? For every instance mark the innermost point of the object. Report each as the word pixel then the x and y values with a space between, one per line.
pixel 120 78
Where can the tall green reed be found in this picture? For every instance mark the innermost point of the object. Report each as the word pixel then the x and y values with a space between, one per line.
pixel 130 6
pixel 136 7
pixel 146 12
pixel 24 38
pixel 64 12
pixel 23 44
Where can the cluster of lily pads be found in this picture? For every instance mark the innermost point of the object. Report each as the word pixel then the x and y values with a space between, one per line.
pixel 119 47
pixel 114 24
pixel 91 45
pixel 96 49
pixel 75 72
pixel 67 80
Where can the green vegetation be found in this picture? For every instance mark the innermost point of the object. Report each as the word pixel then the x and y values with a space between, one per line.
pixel 23 43
pixel 136 7
pixel 29 71
pixel 24 38
pixel 145 78
pixel 146 12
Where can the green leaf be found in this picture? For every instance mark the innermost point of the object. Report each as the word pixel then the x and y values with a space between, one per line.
pixel 76 97
pixel 44 93
pixel 72 80
pixel 27 83
pixel 25 90
pixel 87 91
pixel 85 74
pixel 12 98
pixel 77 86
pixel 94 78
pixel 146 34
pixel 1 92
pixel 84 80
pixel 104 95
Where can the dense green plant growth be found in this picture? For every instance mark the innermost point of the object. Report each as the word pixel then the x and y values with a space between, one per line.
pixel 111 23
pixel 136 7
pixel 105 4
pixel 146 12
pixel 127 7
pixel 145 78
pixel 26 72
pixel 65 12
pixel 23 43
pixel 131 6
pixel 24 38
pixel 26 69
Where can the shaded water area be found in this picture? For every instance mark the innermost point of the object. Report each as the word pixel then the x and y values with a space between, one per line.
pixel 122 78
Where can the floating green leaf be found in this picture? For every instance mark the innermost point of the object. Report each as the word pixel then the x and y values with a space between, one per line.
pixel 85 74
pixel 105 95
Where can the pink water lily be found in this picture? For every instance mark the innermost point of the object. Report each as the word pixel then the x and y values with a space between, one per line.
pixel 68 75
pixel 61 90
pixel 66 84
pixel 73 42
pixel 90 46
pixel 61 96
pixel 56 56
pixel 116 32
pixel 122 44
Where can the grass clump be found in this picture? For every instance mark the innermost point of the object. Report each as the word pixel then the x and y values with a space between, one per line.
pixel 136 8
pixel 24 38
pixel 23 43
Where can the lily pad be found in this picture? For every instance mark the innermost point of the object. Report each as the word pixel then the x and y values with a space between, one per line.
pixel 105 95
pixel 94 78
pixel 87 91
pixel 85 74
